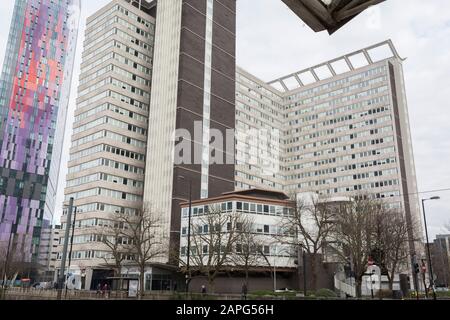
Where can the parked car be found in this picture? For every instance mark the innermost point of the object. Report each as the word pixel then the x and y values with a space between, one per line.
pixel 442 289
pixel 41 285
pixel 284 290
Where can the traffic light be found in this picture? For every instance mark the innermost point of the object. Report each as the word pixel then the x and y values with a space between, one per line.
pixel 416 268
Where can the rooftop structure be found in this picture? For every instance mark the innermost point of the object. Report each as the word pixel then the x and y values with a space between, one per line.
pixel 328 15
pixel 335 67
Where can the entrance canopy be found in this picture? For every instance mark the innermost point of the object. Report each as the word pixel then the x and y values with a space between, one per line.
pixel 328 15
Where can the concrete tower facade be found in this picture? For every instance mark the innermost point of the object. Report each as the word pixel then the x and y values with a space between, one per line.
pixel 109 140
pixel 193 96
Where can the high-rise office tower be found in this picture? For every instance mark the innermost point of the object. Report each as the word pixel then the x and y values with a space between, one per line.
pixel 343 129
pixel 34 93
pixel 127 147
pixel 109 140
pixel 193 94
pixel 192 109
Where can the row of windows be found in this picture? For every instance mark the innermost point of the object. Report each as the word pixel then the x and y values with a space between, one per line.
pixel 108 163
pixel 89 238
pixel 107 14
pixel 267 250
pixel 335 111
pixel 110 135
pixel 340 92
pixel 94 254
pixel 342 129
pixel 348 167
pixel 335 83
pixel 255 228
pixel 96 206
pixel 111 107
pixel 113 122
pixel 344 99
pixel 231 206
pixel 105 193
pixel 105 177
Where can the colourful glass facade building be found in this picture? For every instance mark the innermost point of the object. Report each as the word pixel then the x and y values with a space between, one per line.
pixel 34 95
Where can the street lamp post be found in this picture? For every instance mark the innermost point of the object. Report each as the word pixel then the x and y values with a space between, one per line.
pixel 8 251
pixel 305 289
pixel 430 266
pixel 61 277
pixel 188 278
pixel 71 246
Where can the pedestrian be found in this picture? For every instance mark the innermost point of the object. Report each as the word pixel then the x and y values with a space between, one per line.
pixel 105 290
pixel 99 289
pixel 244 291
pixel 175 287
pixel 203 290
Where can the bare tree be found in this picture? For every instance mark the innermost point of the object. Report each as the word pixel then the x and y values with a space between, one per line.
pixel 112 236
pixel 354 235
pixel 310 226
pixel 213 237
pixel 15 262
pixel 248 252
pixel 392 239
pixel 144 239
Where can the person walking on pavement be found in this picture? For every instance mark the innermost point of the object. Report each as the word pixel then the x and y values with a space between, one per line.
pixel 244 291
pixel 203 290
pixel 105 290
pixel 99 289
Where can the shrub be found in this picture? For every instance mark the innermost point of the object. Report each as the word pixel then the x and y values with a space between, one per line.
pixel 326 293
pixel 385 294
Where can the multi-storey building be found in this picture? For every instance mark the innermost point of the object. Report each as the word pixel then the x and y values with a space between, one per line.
pixel 109 140
pixel 50 236
pixel 440 259
pixel 34 93
pixel 123 140
pixel 193 97
pixel 343 130
pixel 250 221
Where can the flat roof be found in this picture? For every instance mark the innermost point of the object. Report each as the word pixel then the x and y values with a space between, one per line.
pixel 336 67
pixel 257 195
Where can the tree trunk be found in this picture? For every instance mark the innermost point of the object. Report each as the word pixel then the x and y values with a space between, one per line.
pixel 312 262
pixel 246 277
pixel 141 282
pixel 211 283
pixel 391 282
pixel 358 288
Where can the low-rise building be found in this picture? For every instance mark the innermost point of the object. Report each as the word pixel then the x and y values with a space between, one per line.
pixel 48 252
pixel 440 258
pixel 247 226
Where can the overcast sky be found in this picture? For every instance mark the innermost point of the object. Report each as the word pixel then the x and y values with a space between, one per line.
pixel 273 42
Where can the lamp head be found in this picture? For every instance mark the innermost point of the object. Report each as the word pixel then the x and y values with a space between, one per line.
pixel 435 198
